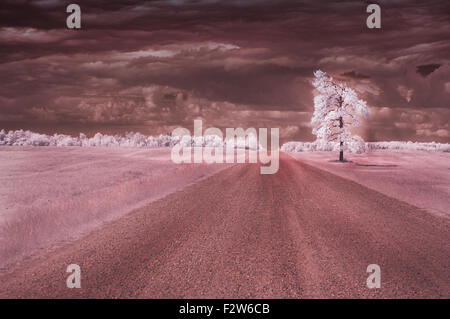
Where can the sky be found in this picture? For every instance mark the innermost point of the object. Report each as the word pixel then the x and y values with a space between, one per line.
pixel 152 66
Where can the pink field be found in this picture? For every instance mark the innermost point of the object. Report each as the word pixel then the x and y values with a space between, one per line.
pixel 51 195
pixel 300 233
pixel 417 177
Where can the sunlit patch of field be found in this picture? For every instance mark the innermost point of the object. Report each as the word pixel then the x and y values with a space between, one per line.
pixel 49 195
pixel 418 177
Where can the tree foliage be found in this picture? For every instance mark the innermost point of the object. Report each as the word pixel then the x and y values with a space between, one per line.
pixel 336 109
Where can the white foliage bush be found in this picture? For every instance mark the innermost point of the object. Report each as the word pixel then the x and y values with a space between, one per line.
pixel 414 146
pixel 359 146
pixel 27 138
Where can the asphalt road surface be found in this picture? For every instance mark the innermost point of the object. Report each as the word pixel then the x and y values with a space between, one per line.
pixel 300 233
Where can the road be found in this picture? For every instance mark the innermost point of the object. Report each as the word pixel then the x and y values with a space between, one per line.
pixel 300 233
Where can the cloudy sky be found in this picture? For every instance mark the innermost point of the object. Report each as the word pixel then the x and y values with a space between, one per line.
pixel 152 66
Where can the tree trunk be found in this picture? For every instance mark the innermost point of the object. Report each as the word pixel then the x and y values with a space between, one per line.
pixel 341 143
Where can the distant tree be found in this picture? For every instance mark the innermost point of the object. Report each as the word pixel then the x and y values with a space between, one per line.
pixel 336 108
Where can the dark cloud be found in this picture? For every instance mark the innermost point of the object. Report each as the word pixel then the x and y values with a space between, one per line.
pixel 355 75
pixel 427 69
pixel 155 65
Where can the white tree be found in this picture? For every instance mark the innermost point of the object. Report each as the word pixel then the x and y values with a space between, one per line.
pixel 337 108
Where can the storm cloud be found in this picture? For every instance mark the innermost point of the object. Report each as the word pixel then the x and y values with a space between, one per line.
pixel 156 65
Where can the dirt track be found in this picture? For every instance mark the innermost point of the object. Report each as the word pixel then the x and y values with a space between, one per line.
pixel 301 233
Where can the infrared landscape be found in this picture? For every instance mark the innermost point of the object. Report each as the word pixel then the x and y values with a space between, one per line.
pixel 217 152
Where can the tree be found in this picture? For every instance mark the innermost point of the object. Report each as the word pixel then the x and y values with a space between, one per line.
pixel 336 109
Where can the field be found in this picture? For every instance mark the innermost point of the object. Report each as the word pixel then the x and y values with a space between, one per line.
pixel 416 177
pixel 50 195
pixel 140 226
